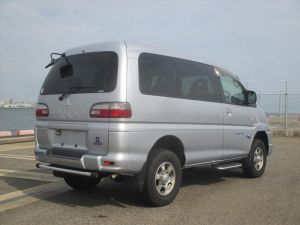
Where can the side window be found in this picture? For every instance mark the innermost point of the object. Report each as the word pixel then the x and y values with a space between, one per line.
pixel 156 75
pixel 233 90
pixel 197 81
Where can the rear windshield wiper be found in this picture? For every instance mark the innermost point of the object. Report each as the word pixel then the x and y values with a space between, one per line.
pixel 72 90
pixel 53 61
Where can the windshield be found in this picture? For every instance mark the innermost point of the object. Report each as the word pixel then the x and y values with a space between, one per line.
pixel 98 70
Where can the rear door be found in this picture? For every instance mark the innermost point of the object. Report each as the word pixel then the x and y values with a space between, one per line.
pixel 198 86
pixel 239 119
pixel 92 78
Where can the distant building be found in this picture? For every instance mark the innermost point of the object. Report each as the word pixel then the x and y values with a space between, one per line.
pixel 10 103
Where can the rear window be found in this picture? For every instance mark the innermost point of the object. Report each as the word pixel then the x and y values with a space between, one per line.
pixel 97 70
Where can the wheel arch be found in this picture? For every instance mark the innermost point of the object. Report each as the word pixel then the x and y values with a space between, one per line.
pixel 262 135
pixel 171 143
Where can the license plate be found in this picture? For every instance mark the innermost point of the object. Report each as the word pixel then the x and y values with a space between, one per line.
pixel 72 138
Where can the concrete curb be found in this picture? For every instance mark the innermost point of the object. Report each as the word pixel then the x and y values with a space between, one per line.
pixel 4 134
pixel 286 133
pixel 25 132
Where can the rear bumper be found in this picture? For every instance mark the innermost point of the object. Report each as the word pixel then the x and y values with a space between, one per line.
pixel 67 170
pixel 87 162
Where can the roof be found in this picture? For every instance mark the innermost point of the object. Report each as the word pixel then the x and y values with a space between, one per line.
pixel 136 47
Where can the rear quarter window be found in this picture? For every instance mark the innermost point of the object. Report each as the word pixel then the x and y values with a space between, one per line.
pixel 174 77
pixel 156 75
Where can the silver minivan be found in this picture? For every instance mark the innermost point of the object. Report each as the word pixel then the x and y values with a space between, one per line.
pixel 124 110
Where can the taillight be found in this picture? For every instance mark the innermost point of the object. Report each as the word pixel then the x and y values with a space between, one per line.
pixel 111 110
pixel 41 110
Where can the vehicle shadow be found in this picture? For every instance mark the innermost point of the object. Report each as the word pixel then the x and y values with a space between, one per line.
pixel 121 194
pixel 206 175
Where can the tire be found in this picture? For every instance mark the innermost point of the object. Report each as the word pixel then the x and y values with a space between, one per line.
pixel 255 163
pixel 81 182
pixel 163 178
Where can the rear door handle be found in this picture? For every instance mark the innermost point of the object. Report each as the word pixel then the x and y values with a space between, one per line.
pixel 228 112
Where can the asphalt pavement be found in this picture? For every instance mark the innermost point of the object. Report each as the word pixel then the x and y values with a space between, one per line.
pixel 32 196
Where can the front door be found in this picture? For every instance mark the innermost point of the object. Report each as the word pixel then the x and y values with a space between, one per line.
pixel 239 118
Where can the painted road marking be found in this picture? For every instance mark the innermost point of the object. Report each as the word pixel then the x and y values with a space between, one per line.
pixel 14 149
pixel 28 175
pixel 16 146
pixel 30 195
pixel 24 157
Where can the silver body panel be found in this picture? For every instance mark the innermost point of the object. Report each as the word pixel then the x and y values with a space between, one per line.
pixel 210 132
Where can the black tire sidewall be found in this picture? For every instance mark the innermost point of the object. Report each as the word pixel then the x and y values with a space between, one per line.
pixel 249 167
pixel 155 161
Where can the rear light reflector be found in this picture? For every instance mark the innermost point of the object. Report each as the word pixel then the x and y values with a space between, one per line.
pixel 108 163
pixel 111 110
pixel 41 110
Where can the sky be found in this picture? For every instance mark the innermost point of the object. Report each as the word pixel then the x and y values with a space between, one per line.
pixel 257 40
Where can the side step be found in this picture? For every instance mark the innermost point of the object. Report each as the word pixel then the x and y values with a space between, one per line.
pixel 227 166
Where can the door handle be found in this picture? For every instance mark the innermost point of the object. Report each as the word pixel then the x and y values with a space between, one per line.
pixel 228 112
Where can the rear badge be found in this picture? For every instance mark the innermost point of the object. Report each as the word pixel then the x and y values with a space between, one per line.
pixel 97 141
pixel 68 103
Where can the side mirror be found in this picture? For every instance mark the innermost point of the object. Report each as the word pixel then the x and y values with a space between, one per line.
pixel 66 71
pixel 251 97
